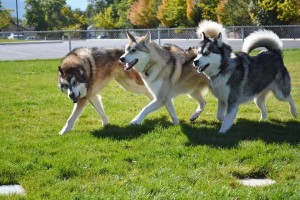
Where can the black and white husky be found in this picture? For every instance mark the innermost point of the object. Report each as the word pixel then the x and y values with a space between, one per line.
pixel 236 78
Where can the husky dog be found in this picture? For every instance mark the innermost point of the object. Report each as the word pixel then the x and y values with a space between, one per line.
pixel 167 72
pixel 236 78
pixel 84 72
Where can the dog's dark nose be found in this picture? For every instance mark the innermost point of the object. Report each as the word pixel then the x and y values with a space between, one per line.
pixel 72 95
pixel 196 62
pixel 122 59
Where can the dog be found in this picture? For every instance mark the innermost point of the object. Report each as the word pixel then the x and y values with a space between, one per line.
pixel 235 78
pixel 84 72
pixel 167 71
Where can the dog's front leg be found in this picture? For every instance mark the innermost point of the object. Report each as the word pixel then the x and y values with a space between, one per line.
pixel 152 106
pixel 170 107
pixel 77 110
pixel 221 110
pixel 232 110
pixel 97 104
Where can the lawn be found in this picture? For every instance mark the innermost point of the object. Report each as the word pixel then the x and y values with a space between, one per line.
pixel 156 160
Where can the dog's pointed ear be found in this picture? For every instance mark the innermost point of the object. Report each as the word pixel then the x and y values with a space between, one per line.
pixel 130 36
pixel 204 36
pixel 60 71
pixel 147 37
pixel 219 40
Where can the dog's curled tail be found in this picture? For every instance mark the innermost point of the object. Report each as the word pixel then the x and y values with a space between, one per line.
pixel 211 29
pixel 262 38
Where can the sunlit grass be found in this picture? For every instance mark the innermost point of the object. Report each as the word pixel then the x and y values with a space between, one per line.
pixel 153 161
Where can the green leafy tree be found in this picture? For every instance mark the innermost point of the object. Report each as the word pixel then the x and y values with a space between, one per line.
pixel 143 14
pixel 122 8
pixel 234 12
pixel 35 14
pixel 5 18
pixel 208 9
pixel 172 13
pixel 272 12
pixel 105 19
pixel 53 15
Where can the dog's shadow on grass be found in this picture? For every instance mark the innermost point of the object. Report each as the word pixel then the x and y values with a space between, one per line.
pixel 129 132
pixel 270 131
pixel 205 132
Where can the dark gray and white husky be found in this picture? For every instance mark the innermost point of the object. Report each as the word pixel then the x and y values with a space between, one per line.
pixel 236 78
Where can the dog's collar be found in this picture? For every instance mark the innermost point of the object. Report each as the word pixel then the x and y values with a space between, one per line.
pixel 147 69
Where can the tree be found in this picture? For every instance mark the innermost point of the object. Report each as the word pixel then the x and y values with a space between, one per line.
pixel 35 14
pixel 208 9
pixel 193 13
pixel 172 13
pixel 233 12
pixel 105 19
pixel 272 12
pixel 122 9
pixel 53 15
pixel 5 18
pixel 143 14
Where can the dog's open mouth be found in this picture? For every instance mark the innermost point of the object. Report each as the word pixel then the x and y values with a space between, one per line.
pixel 75 99
pixel 203 68
pixel 128 66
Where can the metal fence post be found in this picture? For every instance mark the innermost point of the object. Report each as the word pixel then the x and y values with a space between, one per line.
pixel 243 36
pixel 158 35
pixel 69 39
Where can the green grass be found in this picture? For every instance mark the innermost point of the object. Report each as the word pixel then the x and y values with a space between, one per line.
pixel 15 40
pixel 153 161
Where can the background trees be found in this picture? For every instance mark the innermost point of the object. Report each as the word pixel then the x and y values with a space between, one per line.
pixel 107 14
pixel 5 18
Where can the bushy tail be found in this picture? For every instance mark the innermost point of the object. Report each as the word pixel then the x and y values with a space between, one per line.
pixel 211 29
pixel 262 38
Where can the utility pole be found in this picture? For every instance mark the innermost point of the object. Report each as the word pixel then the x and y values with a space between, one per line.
pixel 17 15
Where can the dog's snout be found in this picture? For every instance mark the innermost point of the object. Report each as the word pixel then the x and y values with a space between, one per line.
pixel 122 59
pixel 196 62
pixel 72 95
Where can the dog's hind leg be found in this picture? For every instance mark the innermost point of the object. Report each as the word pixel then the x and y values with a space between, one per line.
pixel 170 107
pixel 152 106
pixel 260 101
pixel 77 110
pixel 95 100
pixel 293 108
pixel 201 104
pixel 280 96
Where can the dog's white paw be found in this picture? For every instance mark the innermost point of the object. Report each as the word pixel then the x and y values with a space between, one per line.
pixel 104 123
pixel 194 117
pixel 223 130
pixel 135 122
pixel 64 131
pixel 175 121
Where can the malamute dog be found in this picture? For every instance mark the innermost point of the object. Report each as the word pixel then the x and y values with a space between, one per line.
pixel 84 72
pixel 167 72
pixel 236 78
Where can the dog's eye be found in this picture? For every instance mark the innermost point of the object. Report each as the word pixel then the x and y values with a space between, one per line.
pixel 75 83
pixel 206 53
pixel 64 86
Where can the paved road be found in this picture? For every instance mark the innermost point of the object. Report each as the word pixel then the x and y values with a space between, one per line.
pixel 47 50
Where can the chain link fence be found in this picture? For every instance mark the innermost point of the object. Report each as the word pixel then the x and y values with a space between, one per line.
pixel 61 42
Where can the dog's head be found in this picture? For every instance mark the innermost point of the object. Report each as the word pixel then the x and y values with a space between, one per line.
pixel 136 52
pixel 73 81
pixel 209 56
